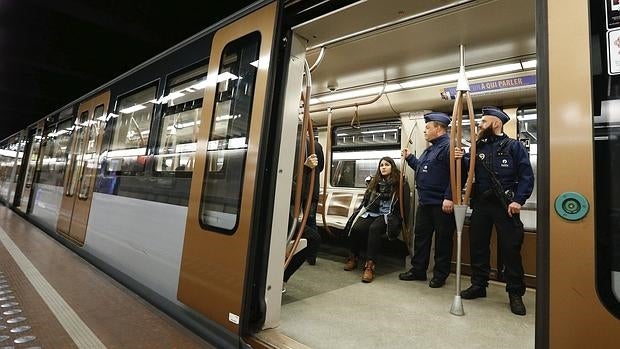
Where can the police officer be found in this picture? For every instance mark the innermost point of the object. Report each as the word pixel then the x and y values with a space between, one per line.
pixel 504 181
pixel 435 208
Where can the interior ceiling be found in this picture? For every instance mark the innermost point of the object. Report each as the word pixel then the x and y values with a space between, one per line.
pixel 491 31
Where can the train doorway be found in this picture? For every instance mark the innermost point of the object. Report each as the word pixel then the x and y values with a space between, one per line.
pixel 380 66
pixel 82 166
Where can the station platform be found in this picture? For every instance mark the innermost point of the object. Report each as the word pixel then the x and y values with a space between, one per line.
pixel 52 298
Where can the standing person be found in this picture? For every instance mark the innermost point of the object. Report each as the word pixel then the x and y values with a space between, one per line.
pixel 435 208
pixel 379 214
pixel 313 161
pixel 504 180
pixel 316 161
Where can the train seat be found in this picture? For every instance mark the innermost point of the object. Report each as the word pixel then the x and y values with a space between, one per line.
pixel 340 205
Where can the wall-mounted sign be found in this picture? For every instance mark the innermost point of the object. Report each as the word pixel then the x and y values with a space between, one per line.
pixel 612 11
pixel 613 52
pixel 493 85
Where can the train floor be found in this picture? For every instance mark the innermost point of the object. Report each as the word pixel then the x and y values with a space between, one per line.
pixel 52 298
pixel 327 307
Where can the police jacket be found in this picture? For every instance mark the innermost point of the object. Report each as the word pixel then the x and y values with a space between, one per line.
pixel 432 172
pixel 510 162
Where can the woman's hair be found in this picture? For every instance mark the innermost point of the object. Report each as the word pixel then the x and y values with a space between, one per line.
pixel 392 178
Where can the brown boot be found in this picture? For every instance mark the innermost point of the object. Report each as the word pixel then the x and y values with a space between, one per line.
pixel 369 272
pixel 351 263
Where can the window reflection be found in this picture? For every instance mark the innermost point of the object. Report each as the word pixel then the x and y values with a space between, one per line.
pixel 357 151
pixel 180 124
pixel 227 144
pixel 131 132
pixel 55 147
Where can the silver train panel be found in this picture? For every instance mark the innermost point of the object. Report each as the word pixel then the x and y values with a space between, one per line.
pixel 46 204
pixel 142 238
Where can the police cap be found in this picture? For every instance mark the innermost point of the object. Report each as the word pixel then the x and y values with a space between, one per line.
pixel 495 111
pixel 437 116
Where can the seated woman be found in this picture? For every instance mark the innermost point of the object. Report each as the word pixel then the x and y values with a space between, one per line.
pixel 379 214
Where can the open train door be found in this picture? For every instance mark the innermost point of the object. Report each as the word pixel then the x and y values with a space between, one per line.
pixel 219 220
pixel 81 167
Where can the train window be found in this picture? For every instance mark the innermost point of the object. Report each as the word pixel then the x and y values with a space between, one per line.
pixel 180 122
pixel 527 130
pixel 131 132
pixel 227 143
pixel 89 162
pixel 357 151
pixel 8 155
pixel 75 155
pixel 55 147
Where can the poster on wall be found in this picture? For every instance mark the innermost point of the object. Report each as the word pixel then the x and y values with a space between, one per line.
pixel 612 11
pixel 613 52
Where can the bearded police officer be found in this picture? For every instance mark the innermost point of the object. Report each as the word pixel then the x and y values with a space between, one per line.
pixel 435 209
pixel 504 180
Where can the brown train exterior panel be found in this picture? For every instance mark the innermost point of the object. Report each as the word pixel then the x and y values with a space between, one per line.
pixel 212 278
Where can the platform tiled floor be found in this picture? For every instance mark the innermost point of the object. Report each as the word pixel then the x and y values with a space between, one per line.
pixel 119 318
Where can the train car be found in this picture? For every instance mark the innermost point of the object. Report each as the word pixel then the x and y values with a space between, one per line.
pixel 175 178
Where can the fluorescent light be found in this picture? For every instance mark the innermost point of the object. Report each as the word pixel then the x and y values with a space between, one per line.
pixel 132 109
pixel 368 91
pixel 380 131
pixel 212 145
pixel 360 155
pixel 433 80
pixel 255 63
pixel 495 70
pixel 184 148
pixel 126 152
pixel 237 143
pixel 529 64
pixel 180 126
pixel 226 76
pixel 342 134
pixel 200 85
pixel 227 117
pixel 528 117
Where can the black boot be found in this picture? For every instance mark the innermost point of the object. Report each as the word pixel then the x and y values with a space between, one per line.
pixel 473 292
pixel 516 304
pixel 412 275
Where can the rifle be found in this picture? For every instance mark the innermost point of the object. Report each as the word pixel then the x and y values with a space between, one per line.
pixel 504 196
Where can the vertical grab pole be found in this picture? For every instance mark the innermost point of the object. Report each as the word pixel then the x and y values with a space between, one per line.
pixel 460 207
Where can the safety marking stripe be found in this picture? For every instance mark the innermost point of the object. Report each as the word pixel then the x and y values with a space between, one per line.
pixel 75 327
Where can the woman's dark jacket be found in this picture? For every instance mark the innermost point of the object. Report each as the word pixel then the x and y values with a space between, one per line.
pixel 371 203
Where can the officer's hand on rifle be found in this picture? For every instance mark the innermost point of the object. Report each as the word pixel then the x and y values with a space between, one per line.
pixel 514 208
pixel 447 206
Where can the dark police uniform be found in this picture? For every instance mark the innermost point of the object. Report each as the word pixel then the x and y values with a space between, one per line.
pixel 432 177
pixel 510 163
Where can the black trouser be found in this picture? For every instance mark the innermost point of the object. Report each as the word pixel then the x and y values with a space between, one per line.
pixel 314 239
pixel 311 222
pixel 367 232
pixel 429 219
pixel 487 212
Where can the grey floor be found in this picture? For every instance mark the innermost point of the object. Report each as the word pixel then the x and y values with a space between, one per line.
pixel 326 307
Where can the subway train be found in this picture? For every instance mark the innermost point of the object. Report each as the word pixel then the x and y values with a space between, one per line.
pixel 175 178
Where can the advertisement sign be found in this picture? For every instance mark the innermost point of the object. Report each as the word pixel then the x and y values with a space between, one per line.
pixel 493 85
pixel 613 52
pixel 612 11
